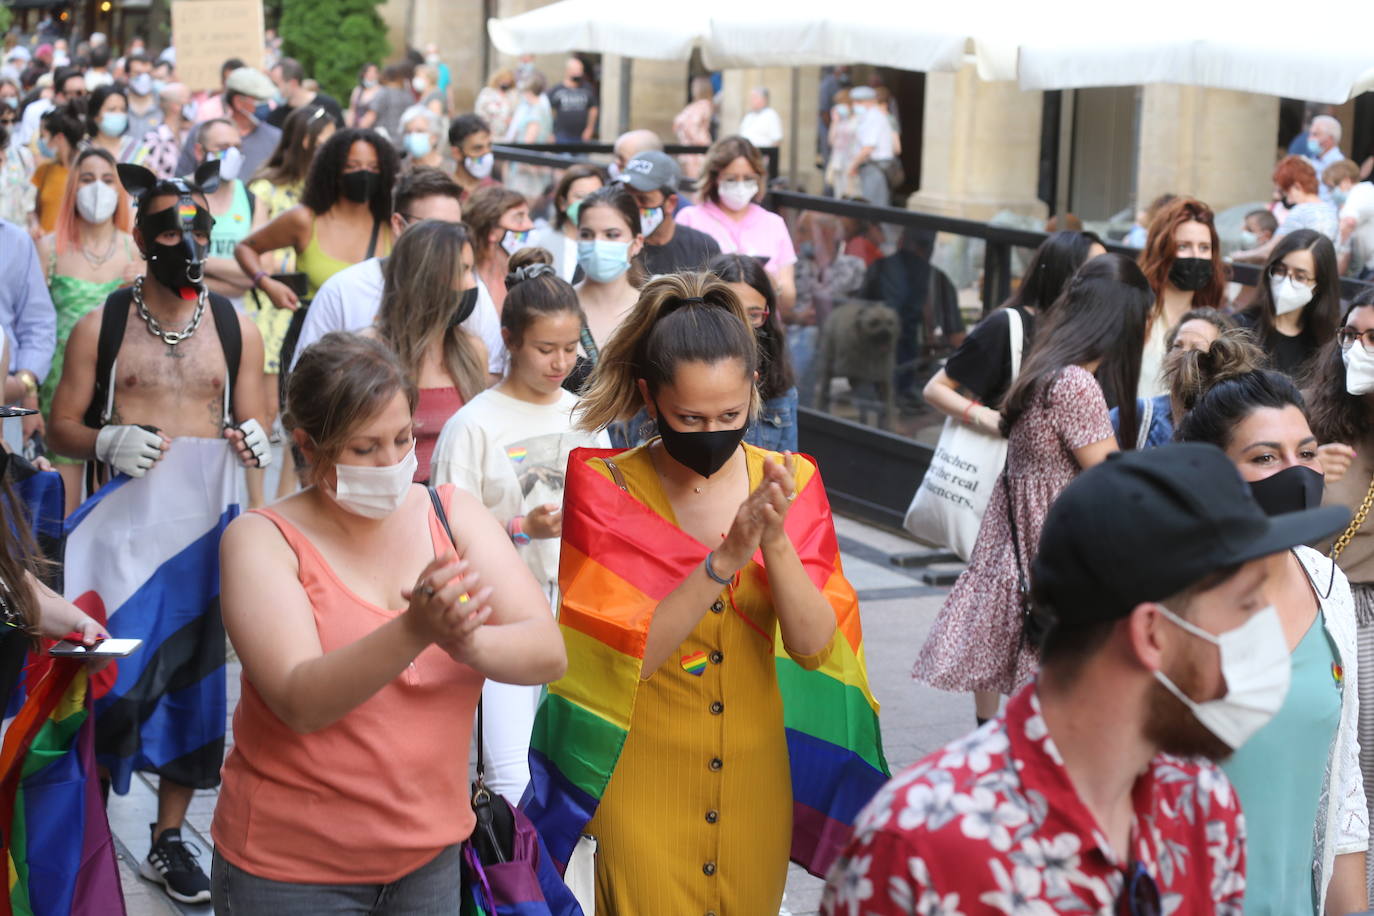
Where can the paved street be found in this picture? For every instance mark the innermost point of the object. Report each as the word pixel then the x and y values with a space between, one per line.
pixel 897 612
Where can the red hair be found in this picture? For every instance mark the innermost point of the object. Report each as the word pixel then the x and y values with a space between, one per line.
pixel 65 232
pixel 1295 170
pixel 1161 251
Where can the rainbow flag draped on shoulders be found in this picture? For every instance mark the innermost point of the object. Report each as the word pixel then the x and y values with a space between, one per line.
pixel 58 852
pixel 619 560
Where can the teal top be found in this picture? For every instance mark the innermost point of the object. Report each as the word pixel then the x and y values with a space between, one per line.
pixel 1278 777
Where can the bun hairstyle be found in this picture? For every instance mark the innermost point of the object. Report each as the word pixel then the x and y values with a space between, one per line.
pixel 682 317
pixel 339 381
pixel 1192 373
pixel 533 288
pixel 1221 387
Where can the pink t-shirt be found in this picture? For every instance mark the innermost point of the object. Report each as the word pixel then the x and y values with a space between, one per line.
pixel 760 234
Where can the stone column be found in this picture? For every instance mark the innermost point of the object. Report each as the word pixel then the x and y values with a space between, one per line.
pixel 1213 144
pixel 980 148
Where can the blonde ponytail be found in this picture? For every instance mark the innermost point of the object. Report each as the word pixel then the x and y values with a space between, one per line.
pixel 682 317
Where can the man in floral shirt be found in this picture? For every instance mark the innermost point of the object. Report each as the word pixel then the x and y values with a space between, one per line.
pixel 1079 798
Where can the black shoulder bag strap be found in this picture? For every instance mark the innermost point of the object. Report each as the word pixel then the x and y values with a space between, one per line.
pixel 113 321
pixel 231 340
pixel 372 242
pixel 493 838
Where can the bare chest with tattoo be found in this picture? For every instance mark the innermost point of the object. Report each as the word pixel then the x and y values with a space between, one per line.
pixel 180 389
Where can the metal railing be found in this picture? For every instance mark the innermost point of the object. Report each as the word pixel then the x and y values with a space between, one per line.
pixel 535 153
pixel 871 473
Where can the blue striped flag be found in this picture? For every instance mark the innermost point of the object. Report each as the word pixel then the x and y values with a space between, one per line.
pixel 143 556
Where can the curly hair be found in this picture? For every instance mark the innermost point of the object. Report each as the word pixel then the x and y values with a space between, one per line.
pixel 1337 415
pixel 324 183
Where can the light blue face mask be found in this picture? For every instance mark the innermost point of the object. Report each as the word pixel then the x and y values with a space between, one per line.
pixel 1339 197
pixel 1313 148
pixel 44 150
pixel 418 144
pixel 114 123
pixel 603 261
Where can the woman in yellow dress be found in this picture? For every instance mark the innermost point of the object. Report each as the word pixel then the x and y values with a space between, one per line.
pixel 714 645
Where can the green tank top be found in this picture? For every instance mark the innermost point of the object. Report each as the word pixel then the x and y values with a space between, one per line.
pixel 72 299
pixel 318 266
pixel 232 226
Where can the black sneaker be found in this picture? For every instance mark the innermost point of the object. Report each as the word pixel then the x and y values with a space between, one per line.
pixel 172 863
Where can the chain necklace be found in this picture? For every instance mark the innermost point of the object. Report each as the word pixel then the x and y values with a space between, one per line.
pixel 170 338
pixel 96 260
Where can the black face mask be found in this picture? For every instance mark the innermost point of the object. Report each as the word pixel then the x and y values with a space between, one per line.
pixel 360 184
pixel 1290 490
pixel 463 305
pixel 1191 274
pixel 175 267
pixel 702 452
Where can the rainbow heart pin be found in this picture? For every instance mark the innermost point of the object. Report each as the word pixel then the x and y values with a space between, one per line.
pixel 694 664
pixel 1337 673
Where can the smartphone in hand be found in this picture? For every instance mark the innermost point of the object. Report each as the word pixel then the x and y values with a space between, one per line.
pixel 106 648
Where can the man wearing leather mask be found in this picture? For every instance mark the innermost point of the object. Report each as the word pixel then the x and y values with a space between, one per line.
pixel 244 90
pixel 166 362
pixel 1151 578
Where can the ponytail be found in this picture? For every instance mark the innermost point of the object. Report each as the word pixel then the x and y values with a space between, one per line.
pixel 1192 373
pixel 682 317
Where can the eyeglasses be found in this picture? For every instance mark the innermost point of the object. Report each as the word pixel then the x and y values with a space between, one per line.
pixel 1282 270
pixel 1348 336
pixel 1140 896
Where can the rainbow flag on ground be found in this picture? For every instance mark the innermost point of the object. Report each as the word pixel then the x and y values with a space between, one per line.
pixel 619 560
pixel 56 842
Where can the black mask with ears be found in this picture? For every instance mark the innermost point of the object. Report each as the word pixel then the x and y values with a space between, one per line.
pixel 181 266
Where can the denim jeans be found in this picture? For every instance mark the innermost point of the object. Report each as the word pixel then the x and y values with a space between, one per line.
pixel 776 426
pixel 430 890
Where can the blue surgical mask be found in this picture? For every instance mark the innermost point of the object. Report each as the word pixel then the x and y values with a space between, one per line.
pixel 114 123
pixel 159 85
pixel 1313 148
pixel 11 101
pixel 44 150
pixel 1339 197
pixel 603 261
pixel 141 84
pixel 418 144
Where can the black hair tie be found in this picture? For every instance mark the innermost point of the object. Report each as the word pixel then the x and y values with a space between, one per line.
pixel 694 300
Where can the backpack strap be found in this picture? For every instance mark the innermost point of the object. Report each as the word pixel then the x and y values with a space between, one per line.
pixel 231 340
pixel 113 321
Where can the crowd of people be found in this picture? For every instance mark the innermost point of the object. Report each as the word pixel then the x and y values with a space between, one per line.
pixel 519 449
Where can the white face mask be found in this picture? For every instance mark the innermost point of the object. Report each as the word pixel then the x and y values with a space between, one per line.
pixel 374 492
pixel 649 220
pixel 736 195
pixel 1289 295
pixel 96 202
pixel 514 241
pixel 1257 667
pixel 1359 369
pixel 480 167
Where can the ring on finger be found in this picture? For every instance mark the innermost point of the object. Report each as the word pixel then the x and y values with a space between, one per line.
pixel 464 598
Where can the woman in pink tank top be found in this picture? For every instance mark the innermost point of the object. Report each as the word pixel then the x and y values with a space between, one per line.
pixel 365 639
pixel 428 291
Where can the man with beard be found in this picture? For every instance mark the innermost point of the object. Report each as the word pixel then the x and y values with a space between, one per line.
pixel 164 391
pixel 1097 791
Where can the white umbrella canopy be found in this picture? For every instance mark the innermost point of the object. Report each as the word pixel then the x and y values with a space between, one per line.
pixel 1050 44
pixel 603 27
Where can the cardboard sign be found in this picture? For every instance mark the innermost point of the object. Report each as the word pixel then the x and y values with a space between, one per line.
pixel 206 33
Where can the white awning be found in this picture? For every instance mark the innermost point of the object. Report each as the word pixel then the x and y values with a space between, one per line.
pixel 1052 44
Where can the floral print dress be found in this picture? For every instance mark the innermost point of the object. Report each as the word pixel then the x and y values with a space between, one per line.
pixel 976 641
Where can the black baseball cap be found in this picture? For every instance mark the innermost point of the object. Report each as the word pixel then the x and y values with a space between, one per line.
pixel 652 171
pixel 1145 525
